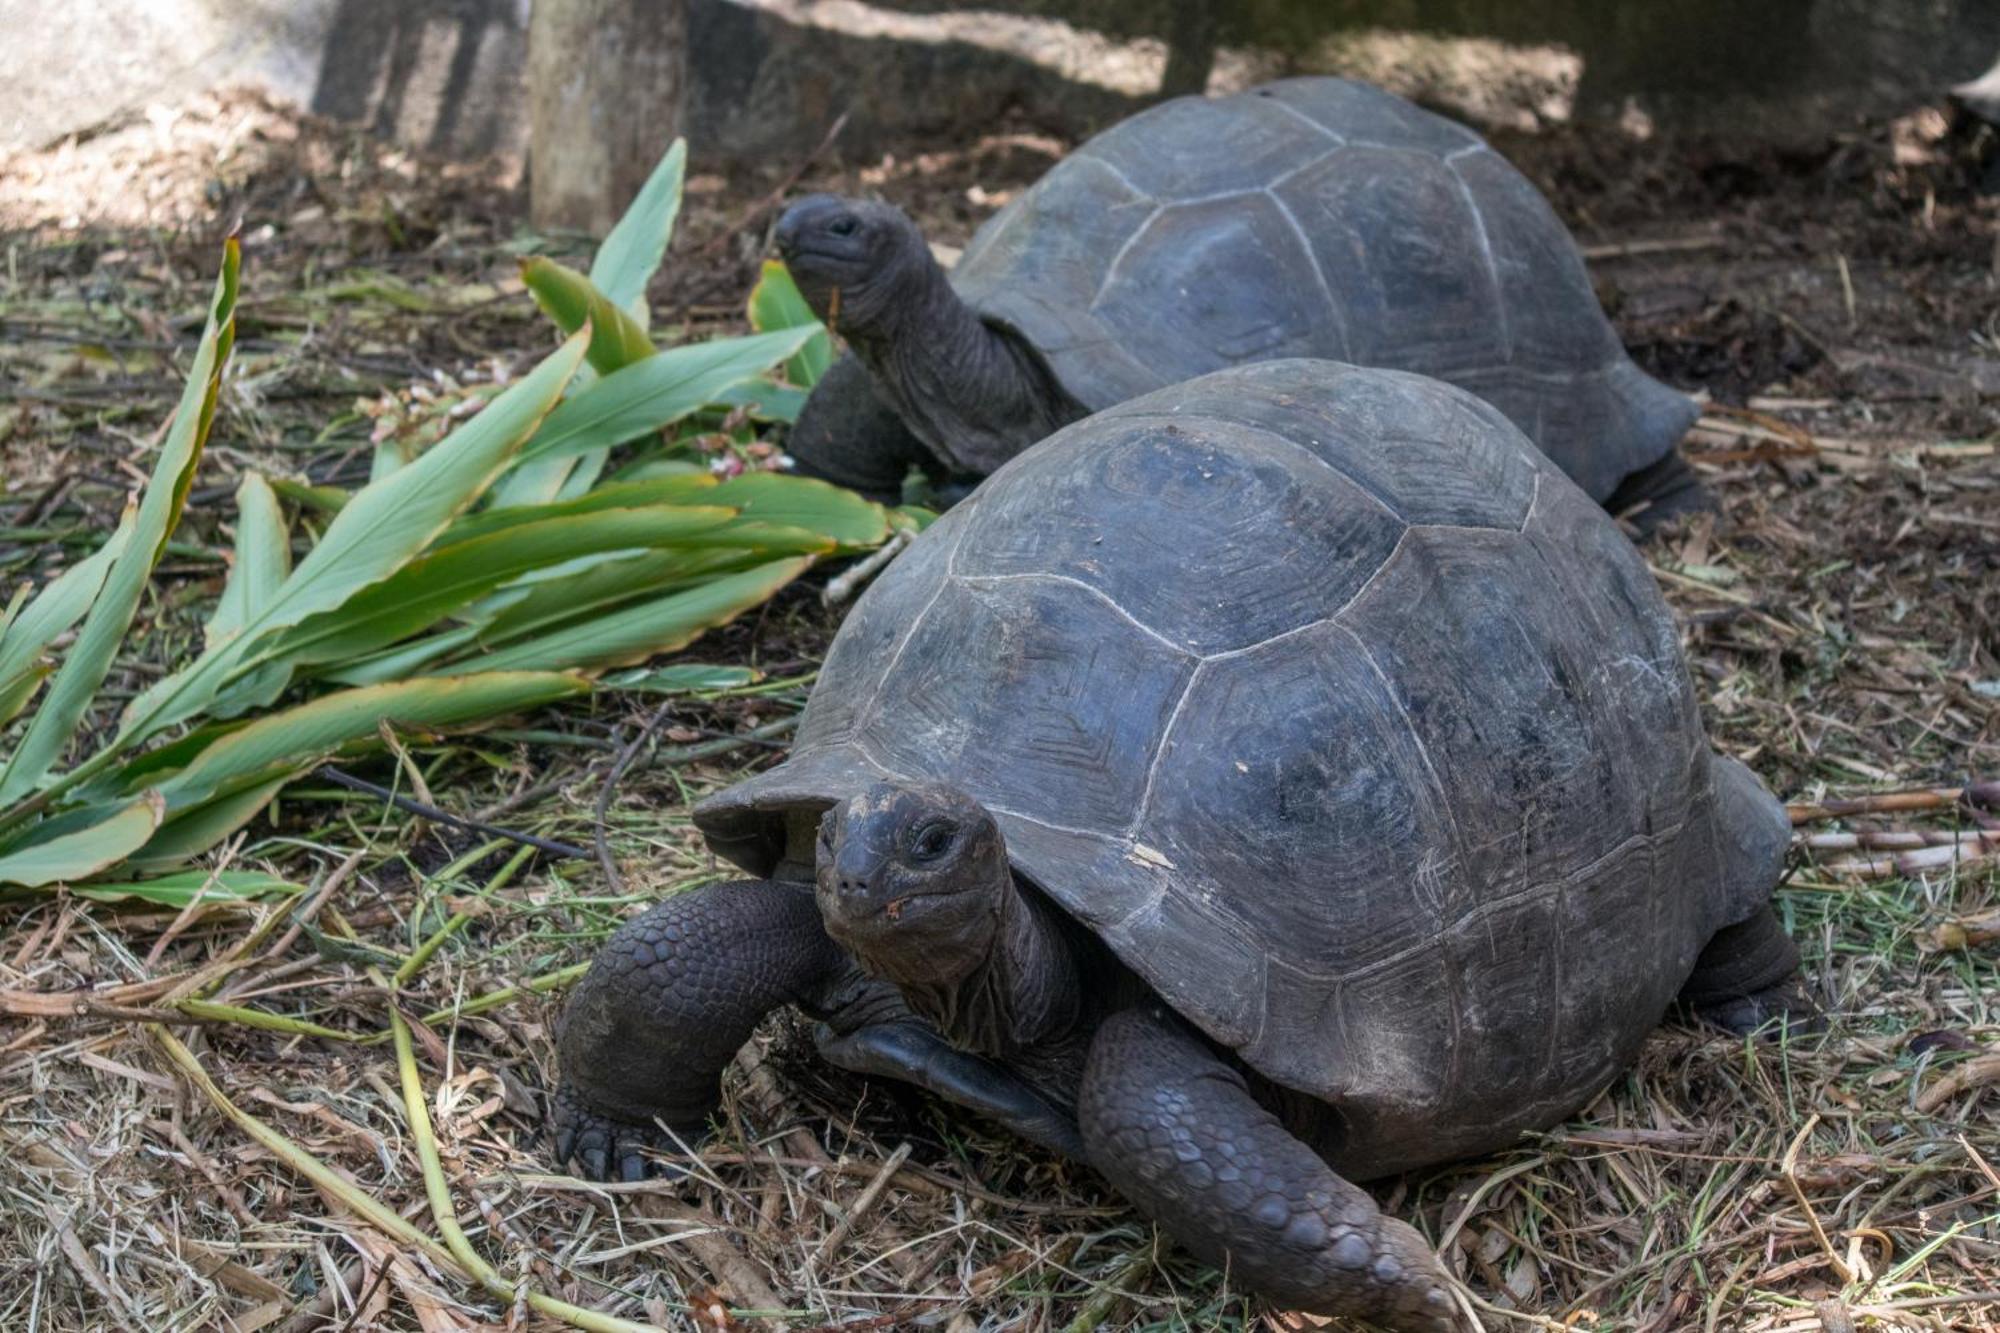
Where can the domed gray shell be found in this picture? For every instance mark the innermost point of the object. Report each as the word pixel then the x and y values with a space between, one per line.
pixel 1318 217
pixel 1350 725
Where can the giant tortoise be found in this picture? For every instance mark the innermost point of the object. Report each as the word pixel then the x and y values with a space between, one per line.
pixel 1276 781
pixel 1309 217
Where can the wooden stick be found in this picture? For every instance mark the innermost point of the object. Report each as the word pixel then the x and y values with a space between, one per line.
pixel 1981 795
pixel 1891 840
pixel 1657 246
pixel 1912 863
pixel 837 1237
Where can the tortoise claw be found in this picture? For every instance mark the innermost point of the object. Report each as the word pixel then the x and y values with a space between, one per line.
pixel 605 1147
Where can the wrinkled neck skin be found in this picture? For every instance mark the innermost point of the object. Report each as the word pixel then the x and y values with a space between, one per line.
pixel 1019 989
pixel 1024 995
pixel 970 391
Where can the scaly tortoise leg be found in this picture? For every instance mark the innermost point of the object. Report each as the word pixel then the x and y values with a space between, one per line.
pixel 848 435
pixel 1661 492
pixel 1177 1131
pixel 1747 981
pixel 917 1053
pixel 668 1001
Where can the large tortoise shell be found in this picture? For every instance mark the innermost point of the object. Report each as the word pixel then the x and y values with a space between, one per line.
pixel 1318 217
pixel 1352 727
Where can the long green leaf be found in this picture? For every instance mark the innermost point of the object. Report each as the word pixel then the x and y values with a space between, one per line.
pixel 573 301
pixel 261 562
pixel 625 263
pixel 372 536
pixel 631 254
pixel 178 891
pixel 12 609
pixel 262 559
pixel 803 502
pixel 604 588
pixel 540 480
pixel 191 834
pixel 90 657
pixel 58 606
pixel 640 632
pixel 776 303
pixel 657 392
pixel 765 400
pixel 15 693
pixel 86 851
pixel 689 489
pixel 441 582
pixel 404 660
pixel 296 737
pixel 683 678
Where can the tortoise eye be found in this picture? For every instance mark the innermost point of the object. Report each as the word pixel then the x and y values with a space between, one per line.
pixel 842 226
pixel 932 840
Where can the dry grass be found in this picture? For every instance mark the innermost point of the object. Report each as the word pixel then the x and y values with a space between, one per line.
pixel 1841 619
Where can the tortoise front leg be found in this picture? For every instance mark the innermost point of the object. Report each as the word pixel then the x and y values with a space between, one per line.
pixel 1177 1131
pixel 848 435
pixel 915 1052
pixel 669 1000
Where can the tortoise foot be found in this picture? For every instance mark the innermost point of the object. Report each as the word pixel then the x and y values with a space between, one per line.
pixel 1780 1011
pixel 1747 982
pixel 1659 494
pixel 604 1147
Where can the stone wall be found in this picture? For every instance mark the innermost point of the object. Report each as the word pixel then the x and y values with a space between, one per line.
pixel 770 76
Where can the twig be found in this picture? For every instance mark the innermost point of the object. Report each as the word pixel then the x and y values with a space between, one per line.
pixel 840 588
pixel 1789 1168
pixel 687 754
pixel 1905 864
pixel 303 916
pixel 1894 840
pixel 438 1194
pixel 416 807
pixel 837 1236
pixel 1660 246
pixel 783 188
pixel 1111 1291
pixel 1980 794
pixel 1974 1073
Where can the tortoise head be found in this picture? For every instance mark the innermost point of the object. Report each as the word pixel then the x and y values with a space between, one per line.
pixel 855 261
pixel 912 881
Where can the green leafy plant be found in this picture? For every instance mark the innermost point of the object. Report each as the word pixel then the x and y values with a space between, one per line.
pixel 495 571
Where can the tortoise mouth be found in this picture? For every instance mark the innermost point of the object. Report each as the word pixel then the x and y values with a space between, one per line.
pixel 829 253
pixel 870 914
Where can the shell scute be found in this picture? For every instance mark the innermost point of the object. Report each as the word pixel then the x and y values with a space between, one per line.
pixel 1397 240
pixel 1162 297
pixel 1037 695
pixel 1266 545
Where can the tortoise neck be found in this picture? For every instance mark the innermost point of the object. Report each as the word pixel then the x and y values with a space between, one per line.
pixel 1023 994
pixel 971 391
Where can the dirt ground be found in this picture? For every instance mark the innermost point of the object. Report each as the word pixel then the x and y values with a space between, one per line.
pixel 1837 309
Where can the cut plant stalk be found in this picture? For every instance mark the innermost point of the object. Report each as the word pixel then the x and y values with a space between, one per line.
pixel 446 1217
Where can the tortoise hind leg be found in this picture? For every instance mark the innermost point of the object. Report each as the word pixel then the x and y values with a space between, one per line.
pixel 1176 1130
pixel 1659 493
pixel 1747 980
